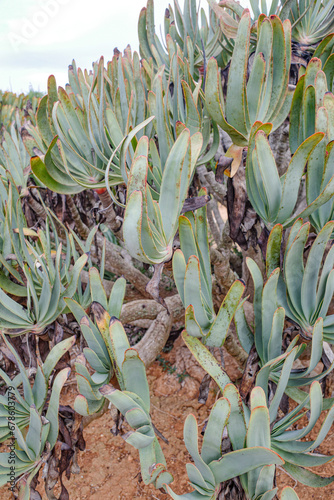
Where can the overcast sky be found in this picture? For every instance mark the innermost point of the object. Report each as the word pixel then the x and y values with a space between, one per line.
pixel 41 37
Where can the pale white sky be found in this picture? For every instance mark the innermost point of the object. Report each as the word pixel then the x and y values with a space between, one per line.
pixel 41 37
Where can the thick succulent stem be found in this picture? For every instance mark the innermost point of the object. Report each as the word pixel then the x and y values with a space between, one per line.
pixel 224 275
pixel 108 210
pixel 82 229
pixel 233 347
pixel 150 309
pixel 117 263
pixel 37 207
pixel 155 338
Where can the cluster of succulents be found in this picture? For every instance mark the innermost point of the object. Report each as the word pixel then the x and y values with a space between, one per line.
pixel 134 135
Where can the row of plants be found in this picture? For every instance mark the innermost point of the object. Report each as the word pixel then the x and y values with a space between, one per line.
pixel 125 169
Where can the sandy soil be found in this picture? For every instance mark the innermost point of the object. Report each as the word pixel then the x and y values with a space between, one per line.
pixel 109 468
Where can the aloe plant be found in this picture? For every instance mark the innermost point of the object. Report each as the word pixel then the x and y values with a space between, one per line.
pixel 312 111
pixel 110 351
pixel 192 275
pixel 296 454
pixel 23 418
pixel 280 370
pixel 23 248
pixel 31 455
pixel 133 401
pixel 272 302
pixel 311 108
pixel 40 311
pixel 305 291
pixel 286 443
pixel 14 157
pixel 274 198
pixel 35 395
pixel 126 91
pixel 320 175
pixel 249 429
pixel 325 48
pixel 178 101
pixel 311 21
pixel 97 336
pixel 12 105
pixel 80 132
pixel 41 275
pixel 268 327
pixel 265 97
pixel 210 467
pixel 150 220
pixel 197 43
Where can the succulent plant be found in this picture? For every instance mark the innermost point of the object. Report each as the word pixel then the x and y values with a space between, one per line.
pixel 109 352
pixel 12 105
pixel 98 354
pixel 305 291
pixel 35 395
pixel 32 453
pixel 312 104
pixel 126 91
pixel 14 157
pixel 76 247
pixel 265 96
pixel 21 244
pixel 269 321
pixel 312 111
pixel 41 277
pixel 324 52
pixel 32 431
pixel 320 175
pixel 178 101
pixel 260 425
pixel 40 311
pixel 133 401
pixel 296 454
pixel 197 43
pixel 192 275
pixel 80 134
pixel 311 20
pixel 150 221
pixel 274 198
pixel 268 317
pixel 211 467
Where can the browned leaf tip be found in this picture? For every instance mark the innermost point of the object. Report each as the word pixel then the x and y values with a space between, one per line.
pixel 107 389
pixel 192 204
pixel 223 164
pixel 98 311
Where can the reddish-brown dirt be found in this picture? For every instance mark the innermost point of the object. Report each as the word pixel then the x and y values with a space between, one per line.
pixel 109 467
